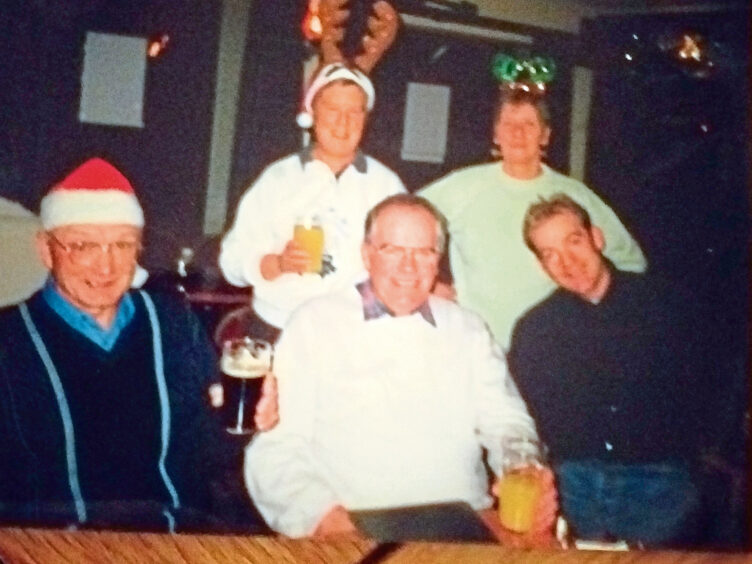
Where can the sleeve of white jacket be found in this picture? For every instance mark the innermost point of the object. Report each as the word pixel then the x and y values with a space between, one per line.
pixel 281 472
pixel 500 410
pixel 253 234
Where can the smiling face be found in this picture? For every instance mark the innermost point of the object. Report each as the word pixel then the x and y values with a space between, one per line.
pixel 571 255
pixel 521 134
pixel 402 258
pixel 339 117
pixel 92 265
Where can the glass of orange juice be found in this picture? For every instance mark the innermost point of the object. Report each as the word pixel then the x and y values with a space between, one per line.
pixel 309 234
pixel 519 486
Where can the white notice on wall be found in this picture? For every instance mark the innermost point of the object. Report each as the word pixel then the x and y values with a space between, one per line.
pixel 424 136
pixel 112 82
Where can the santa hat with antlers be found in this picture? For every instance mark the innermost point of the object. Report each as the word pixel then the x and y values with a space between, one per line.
pixel 381 31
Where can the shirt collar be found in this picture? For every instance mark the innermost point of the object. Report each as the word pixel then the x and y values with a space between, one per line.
pixel 373 307
pixel 83 322
pixel 359 162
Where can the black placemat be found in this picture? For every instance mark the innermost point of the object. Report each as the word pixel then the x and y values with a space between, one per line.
pixel 448 522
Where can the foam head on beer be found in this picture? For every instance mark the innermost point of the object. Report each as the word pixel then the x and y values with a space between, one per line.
pixel 244 359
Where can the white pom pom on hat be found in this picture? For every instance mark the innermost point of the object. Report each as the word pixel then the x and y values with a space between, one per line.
pixel 304 120
pixel 94 193
pixel 330 73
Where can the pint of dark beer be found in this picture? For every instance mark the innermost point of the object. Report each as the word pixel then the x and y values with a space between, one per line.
pixel 244 364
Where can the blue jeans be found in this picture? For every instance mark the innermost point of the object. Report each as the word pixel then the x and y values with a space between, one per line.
pixel 650 504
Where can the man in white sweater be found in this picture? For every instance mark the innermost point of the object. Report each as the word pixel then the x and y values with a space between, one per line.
pixel 393 403
pixel 331 180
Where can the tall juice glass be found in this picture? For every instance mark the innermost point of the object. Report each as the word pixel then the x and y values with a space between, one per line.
pixel 519 487
pixel 309 234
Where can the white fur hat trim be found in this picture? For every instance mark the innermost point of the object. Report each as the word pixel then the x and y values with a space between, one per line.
pixel 69 207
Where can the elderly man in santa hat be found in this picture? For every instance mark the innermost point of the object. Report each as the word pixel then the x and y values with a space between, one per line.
pixel 105 418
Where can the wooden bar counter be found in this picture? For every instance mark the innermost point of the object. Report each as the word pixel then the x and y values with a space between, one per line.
pixel 58 547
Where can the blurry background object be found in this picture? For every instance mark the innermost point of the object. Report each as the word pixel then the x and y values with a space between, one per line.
pixel 527 73
pixel 693 53
pixel 22 270
pixel 311 26
pixel 157 45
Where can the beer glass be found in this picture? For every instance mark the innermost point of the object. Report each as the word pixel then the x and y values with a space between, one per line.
pixel 309 234
pixel 244 364
pixel 519 487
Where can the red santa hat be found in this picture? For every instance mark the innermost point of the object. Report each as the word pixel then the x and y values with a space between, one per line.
pixel 95 192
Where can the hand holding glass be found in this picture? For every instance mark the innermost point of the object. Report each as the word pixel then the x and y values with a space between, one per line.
pixel 245 363
pixel 309 234
pixel 520 487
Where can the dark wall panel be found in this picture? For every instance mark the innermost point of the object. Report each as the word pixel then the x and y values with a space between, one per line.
pixel 669 144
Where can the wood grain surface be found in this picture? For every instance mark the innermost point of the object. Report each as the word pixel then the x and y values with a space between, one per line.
pixel 21 546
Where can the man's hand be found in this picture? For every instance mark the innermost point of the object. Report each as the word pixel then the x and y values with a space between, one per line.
pixel 267 410
pixel 293 258
pixel 216 395
pixel 548 502
pixel 336 522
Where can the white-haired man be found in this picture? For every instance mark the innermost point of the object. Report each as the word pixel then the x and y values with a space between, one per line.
pixel 393 404
pixel 332 180
pixel 104 413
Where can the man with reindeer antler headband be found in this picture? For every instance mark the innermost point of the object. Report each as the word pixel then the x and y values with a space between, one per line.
pixel 325 190
pixel 493 271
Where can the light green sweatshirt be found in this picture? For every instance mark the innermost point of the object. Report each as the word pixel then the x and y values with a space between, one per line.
pixel 495 274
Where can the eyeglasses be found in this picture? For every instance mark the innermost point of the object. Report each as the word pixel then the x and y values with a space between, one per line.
pixel 423 256
pixel 85 251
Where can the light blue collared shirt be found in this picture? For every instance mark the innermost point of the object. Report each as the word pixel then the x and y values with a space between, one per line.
pixel 85 323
